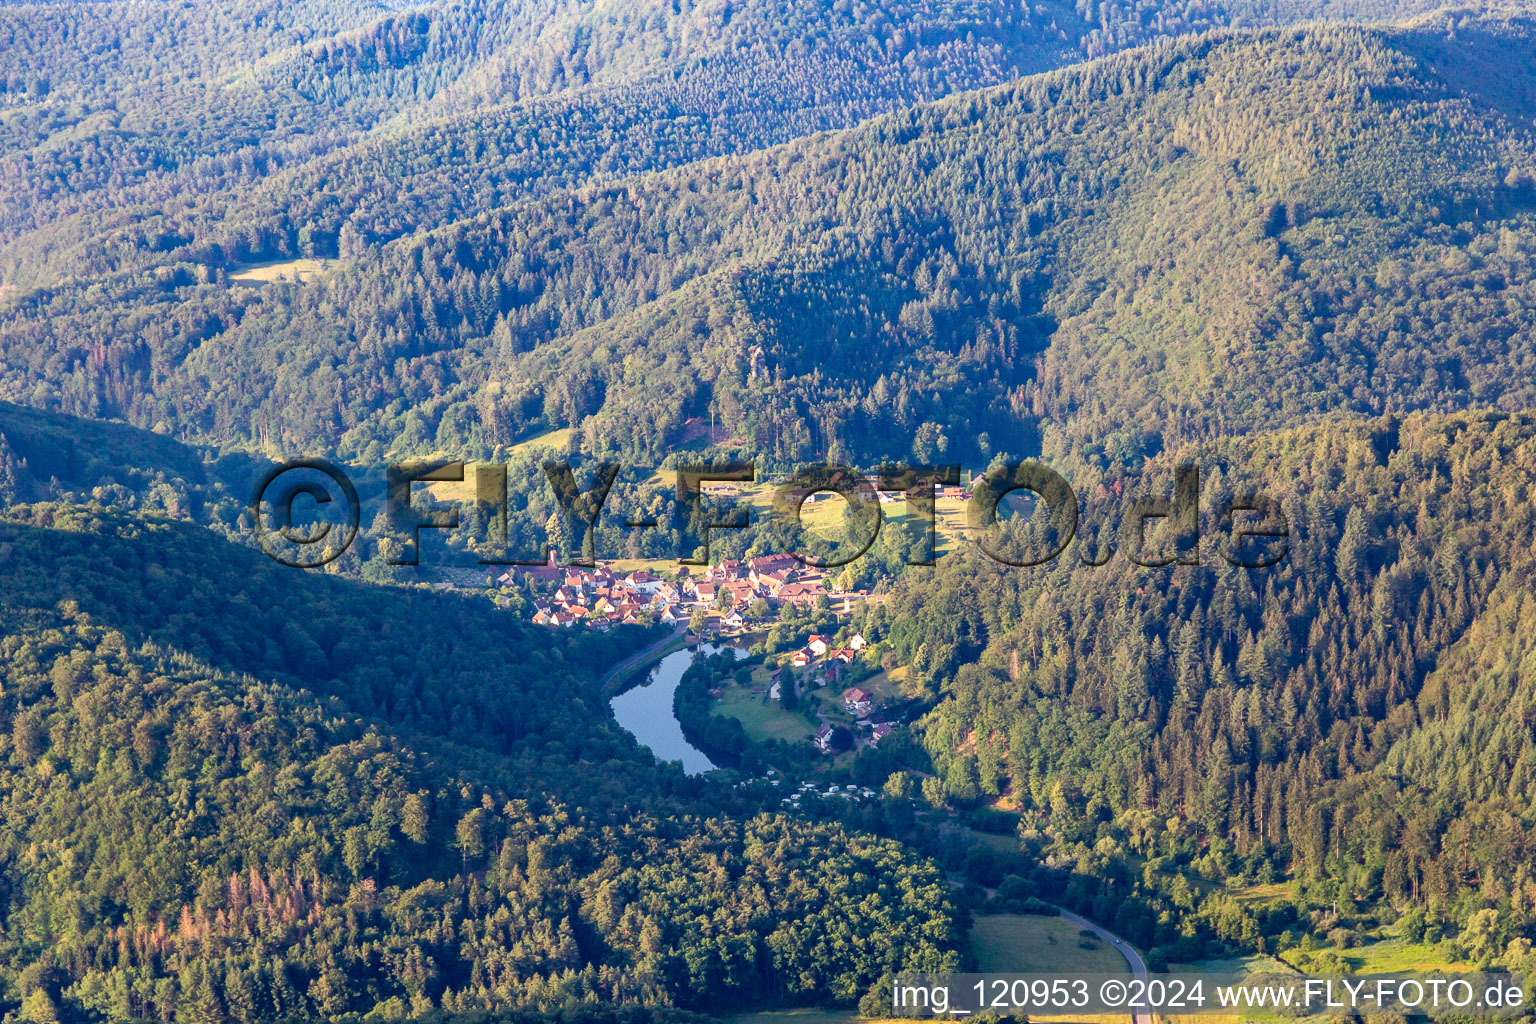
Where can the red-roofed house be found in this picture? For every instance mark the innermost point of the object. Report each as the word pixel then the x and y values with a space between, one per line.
pixel 858 701
pixel 799 594
pixel 644 581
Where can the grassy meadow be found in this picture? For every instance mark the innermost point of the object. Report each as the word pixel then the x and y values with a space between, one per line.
pixel 255 275
pixel 1034 944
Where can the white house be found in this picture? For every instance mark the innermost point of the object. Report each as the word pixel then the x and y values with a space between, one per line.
pixel 858 700
pixel 645 581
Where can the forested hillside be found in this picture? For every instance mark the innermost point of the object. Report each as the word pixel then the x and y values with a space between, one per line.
pixel 131 134
pixel 1204 236
pixel 1351 717
pixel 237 793
pixel 1300 257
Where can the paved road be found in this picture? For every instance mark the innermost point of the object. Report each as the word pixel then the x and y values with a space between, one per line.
pixel 1138 965
pixel 632 663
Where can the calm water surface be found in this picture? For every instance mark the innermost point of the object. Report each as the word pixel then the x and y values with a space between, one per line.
pixel 646 711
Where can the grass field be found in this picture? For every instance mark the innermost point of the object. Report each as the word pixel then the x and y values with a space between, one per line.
pixel 654 565
pixel 254 275
pixel 551 439
pixel 1386 957
pixel 762 721
pixel 1003 943
pixel 882 686
pixel 825 518
pixel 831 704
pixel 1255 894
pixel 828 700
pixel 1030 944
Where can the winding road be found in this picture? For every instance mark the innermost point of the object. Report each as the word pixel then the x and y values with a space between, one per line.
pixel 1138 965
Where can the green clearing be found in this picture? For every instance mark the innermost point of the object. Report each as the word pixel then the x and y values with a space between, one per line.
pixel 1033 944
pixel 831 700
pixel 1389 956
pixel 825 518
pixel 658 566
pixel 555 439
pixel 1259 894
pixel 882 686
pixel 254 275
pixel 762 720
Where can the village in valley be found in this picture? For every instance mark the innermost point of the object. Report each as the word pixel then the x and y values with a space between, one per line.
pixel 742 592
pixel 811 680
pixel 825 690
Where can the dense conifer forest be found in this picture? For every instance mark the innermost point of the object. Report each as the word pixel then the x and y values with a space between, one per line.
pixel 1290 243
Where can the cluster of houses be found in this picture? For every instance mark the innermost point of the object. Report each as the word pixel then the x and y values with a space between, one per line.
pixel 601 598
pixel 779 580
pixel 825 665
pixel 819 646
pixel 824 662
pixel 872 483
pixel 857 701
pixel 877 732
pixel 957 493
